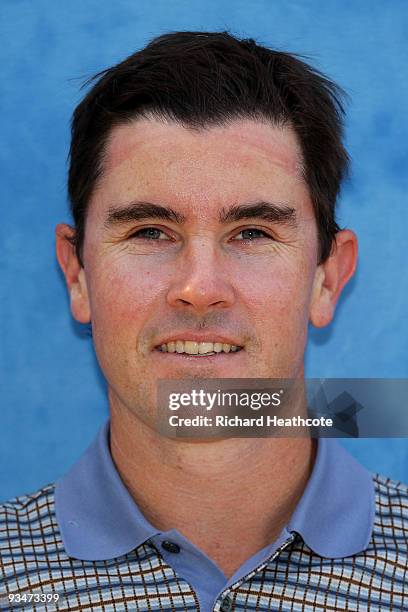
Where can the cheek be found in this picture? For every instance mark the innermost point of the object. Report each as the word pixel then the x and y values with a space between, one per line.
pixel 278 301
pixel 278 284
pixel 123 293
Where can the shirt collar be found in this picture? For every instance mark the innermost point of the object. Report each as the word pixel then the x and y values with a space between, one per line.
pixel 335 515
pixel 99 520
pixel 97 517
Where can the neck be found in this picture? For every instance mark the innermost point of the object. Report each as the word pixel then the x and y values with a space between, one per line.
pixel 228 497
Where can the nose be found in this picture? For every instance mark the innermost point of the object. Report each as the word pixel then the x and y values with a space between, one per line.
pixel 201 281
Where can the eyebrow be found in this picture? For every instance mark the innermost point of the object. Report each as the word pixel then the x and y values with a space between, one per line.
pixel 268 211
pixel 281 213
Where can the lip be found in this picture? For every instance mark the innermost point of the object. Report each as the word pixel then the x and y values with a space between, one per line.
pixel 199 337
pixel 216 358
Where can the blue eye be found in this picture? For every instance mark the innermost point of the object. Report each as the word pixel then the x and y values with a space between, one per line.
pixel 149 233
pixel 252 233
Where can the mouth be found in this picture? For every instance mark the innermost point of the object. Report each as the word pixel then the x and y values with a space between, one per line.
pixel 189 348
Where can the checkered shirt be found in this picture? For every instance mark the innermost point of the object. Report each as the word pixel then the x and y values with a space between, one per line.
pixel 33 560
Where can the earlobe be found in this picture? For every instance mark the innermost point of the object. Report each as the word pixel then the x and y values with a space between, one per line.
pixel 331 276
pixel 80 307
pixel 73 272
pixel 321 311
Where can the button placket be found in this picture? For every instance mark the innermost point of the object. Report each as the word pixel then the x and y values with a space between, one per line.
pixel 226 604
pixel 171 547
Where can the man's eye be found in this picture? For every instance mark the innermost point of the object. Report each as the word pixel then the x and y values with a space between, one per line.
pixel 149 233
pixel 252 234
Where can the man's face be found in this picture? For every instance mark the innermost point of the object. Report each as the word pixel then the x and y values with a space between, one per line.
pixel 202 274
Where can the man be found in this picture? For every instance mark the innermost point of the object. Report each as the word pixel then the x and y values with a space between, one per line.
pixel 204 172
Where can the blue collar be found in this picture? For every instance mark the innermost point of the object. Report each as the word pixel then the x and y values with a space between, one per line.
pixel 99 520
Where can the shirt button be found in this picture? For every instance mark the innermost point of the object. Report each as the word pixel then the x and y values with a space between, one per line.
pixel 170 546
pixel 226 605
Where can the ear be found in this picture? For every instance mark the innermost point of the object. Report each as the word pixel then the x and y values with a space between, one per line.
pixel 331 276
pixel 73 272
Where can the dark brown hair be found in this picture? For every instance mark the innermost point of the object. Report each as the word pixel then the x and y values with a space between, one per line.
pixel 200 79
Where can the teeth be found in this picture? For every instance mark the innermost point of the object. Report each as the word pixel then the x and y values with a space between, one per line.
pixel 198 348
pixel 171 347
pixel 191 347
pixel 205 347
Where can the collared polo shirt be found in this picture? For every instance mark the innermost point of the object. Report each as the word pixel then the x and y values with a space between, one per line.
pixel 85 540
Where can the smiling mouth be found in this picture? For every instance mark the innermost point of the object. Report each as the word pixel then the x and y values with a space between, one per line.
pixel 198 349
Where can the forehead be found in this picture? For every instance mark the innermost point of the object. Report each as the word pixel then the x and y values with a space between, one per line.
pixel 162 160
pixel 279 144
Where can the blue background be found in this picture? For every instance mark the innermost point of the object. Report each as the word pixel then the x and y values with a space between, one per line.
pixel 52 394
